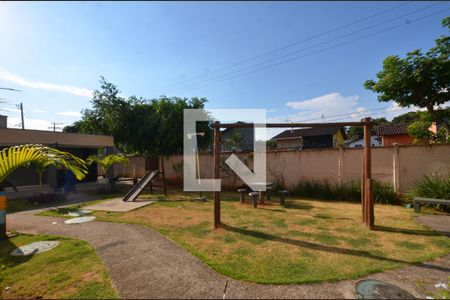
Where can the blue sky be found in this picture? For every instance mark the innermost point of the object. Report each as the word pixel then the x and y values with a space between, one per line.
pixel 56 52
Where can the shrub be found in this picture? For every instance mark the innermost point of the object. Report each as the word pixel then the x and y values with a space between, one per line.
pixel 46 197
pixel 434 186
pixel 383 192
pixel 350 191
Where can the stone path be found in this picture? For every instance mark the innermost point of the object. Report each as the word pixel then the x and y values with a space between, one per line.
pixel 144 264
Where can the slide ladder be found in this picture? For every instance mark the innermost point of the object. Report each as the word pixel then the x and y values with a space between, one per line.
pixel 139 187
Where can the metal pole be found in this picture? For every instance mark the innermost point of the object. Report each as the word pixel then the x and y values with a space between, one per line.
pixel 21 114
pixel 217 173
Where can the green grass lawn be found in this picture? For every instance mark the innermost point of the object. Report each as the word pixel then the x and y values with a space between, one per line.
pixel 71 270
pixel 307 241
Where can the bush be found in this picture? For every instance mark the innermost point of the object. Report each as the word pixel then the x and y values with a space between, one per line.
pixel 383 192
pixel 350 191
pixel 46 197
pixel 434 186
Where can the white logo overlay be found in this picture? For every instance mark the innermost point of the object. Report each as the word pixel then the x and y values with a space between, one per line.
pixel 252 120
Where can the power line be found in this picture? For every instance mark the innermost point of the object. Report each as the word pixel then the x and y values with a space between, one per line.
pixel 313 46
pixel 396 109
pixel 315 52
pixel 54 127
pixel 287 46
pixel 359 112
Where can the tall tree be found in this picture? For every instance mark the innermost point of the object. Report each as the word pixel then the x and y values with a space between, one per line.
pixel 419 79
pixel 139 126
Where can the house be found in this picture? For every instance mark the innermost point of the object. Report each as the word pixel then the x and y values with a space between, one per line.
pixel 394 134
pixel 310 138
pixel 359 143
pixel 81 145
pixel 238 139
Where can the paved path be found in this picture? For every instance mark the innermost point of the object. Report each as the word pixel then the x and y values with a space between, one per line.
pixel 144 264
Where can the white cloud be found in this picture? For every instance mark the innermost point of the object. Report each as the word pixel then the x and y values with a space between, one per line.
pixel 30 123
pixel 69 113
pixel 323 107
pixel 360 109
pixel 17 79
pixel 325 102
pixel 38 110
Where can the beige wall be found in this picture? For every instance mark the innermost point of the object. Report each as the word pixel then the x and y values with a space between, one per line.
pixel 402 165
pixel 10 137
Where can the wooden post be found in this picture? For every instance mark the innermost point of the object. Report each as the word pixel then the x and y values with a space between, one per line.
pixel 363 191
pixel 370 207
pixel 217 173
pixel 368 197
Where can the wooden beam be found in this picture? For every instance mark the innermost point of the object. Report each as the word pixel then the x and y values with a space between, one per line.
pixel 368 197
pixel 287 125
pixel 216 173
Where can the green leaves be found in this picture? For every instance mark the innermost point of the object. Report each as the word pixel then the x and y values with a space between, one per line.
pixel 15 157
pixel 107 161
pixel 139 126
pixel 419 79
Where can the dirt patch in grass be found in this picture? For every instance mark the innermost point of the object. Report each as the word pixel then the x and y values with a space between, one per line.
pixel 71 270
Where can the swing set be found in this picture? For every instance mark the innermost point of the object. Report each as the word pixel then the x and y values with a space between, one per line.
pixel 367 201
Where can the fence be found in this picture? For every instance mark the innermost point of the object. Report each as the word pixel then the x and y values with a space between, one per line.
pixel 400 165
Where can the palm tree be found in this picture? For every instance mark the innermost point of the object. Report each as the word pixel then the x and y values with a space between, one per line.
pixel 105 162
pixel 15 157
pixel 41 166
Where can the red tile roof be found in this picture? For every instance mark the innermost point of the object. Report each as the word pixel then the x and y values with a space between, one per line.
pixel 304 132
pixel 392 129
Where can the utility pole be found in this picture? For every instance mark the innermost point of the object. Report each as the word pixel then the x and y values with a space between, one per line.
pixel 54 126
pixel 20 106
pixel 21 115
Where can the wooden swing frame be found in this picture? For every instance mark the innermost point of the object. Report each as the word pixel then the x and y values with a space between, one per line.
pixel 367 201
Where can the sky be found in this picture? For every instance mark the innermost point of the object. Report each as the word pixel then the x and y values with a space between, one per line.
pixel 301 61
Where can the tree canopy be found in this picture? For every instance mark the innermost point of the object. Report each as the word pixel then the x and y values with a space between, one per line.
pixel 420 79
pixel 139 126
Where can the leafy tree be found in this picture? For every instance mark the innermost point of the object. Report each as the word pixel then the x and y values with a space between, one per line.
pixel 406 118
pixel 420 130
pixel 139 126
pixel 271 144
pixel 419 79
pixel 234 140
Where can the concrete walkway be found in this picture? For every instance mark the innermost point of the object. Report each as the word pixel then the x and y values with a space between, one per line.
pixel 145 264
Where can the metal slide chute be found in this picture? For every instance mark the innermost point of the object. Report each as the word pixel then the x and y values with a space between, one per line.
pixel 139 187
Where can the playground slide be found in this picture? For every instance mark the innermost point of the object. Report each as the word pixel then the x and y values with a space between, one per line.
pixel 137 189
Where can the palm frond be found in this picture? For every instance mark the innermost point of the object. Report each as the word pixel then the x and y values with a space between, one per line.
pixel 107 161
pixel 15 157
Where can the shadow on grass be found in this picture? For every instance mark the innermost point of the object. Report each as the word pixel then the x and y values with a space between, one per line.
pixel 319 247
pixel 6 247
pixel 294 205
pixel 406 231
